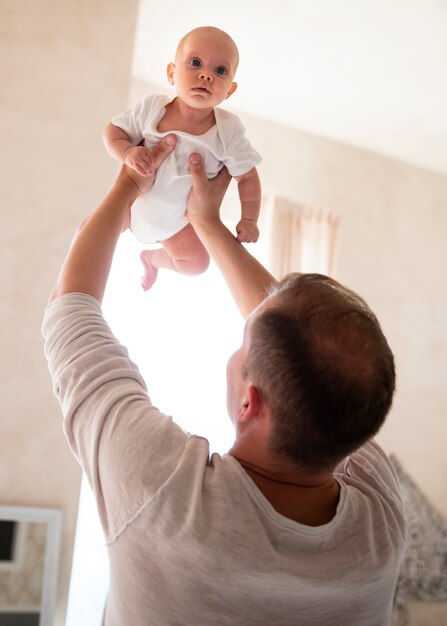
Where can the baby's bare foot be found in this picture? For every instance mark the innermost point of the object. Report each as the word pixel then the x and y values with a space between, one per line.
pixel 150 272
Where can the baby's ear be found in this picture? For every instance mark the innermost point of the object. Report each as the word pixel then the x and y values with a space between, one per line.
pixel 170 73
pixel 231 90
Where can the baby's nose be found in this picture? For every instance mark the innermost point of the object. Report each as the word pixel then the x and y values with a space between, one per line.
pixel 206 75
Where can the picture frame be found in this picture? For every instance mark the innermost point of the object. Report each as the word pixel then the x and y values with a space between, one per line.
pixel 18 525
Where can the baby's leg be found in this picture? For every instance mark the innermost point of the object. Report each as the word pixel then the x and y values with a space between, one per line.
pixel 184 253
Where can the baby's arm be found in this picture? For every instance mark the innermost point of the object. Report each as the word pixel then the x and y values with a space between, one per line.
pixel 119 146
pixel 249 187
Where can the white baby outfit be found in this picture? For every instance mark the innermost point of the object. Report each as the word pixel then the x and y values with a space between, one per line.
pixel 160 212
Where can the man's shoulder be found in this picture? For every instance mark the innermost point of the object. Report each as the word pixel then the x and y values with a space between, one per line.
pixel 369 456
pixel 370 471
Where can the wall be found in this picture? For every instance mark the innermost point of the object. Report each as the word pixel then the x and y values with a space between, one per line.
pixel 64 72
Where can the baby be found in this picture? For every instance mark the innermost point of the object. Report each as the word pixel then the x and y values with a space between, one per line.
pixel 205 65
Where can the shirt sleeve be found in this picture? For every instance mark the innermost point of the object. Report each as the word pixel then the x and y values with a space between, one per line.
pixel 133 121
pixel 240 156
pixel 127 448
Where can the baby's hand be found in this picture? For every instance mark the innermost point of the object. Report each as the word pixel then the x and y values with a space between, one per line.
pixel 247 230
pixel 139 159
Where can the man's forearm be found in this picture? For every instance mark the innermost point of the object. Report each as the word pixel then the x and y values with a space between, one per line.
pixel 247 280
pixel 87 265
pixel 88 261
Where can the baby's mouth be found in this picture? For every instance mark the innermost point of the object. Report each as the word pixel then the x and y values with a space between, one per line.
pixel 201 89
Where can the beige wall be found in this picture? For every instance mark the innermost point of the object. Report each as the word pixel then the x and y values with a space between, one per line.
pixel 64 72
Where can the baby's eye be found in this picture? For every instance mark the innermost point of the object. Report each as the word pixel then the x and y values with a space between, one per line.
pixel 221 70
pixel 195 62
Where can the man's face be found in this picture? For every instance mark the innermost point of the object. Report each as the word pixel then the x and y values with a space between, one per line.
pixel 205 65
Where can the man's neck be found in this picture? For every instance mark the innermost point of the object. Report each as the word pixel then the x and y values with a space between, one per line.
pixel 258 459
pixel 309 499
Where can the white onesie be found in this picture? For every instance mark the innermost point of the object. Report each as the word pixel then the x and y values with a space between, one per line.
pixel 160 212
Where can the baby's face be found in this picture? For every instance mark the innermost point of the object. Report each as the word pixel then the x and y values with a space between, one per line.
pixel 205 65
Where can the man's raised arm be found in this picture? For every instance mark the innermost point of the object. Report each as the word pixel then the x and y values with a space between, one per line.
pixel 248 281
pixel 87 264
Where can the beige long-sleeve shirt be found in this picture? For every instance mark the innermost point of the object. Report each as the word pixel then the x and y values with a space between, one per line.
pixel 191 539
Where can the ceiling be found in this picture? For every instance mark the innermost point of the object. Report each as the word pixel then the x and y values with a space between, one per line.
pixel 371 73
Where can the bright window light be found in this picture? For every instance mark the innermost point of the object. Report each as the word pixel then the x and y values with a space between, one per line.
pixel 180 334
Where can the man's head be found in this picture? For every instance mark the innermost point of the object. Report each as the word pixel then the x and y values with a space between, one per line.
pixel 205 65
pixel 316 353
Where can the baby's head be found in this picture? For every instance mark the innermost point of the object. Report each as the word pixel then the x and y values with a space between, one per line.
pixel 205 65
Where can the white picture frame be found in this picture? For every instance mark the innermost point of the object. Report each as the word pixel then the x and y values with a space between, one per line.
pixel 52 518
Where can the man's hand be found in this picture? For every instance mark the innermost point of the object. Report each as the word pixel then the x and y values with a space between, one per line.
pixel 146 162
pixel 246 278
pixel 247 230
pixel 206 196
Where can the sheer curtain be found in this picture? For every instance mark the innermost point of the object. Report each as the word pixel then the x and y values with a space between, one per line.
pixel 303 238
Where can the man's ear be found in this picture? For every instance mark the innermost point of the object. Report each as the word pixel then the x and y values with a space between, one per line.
pixel 231 90
pixel 170 73
pixel 250 405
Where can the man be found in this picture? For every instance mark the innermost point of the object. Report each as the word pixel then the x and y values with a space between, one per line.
pixel 301 522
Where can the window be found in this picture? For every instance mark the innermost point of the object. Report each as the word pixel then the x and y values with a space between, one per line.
pixel 180 334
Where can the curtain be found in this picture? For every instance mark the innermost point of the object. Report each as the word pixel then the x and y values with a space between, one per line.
pixel 302 238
